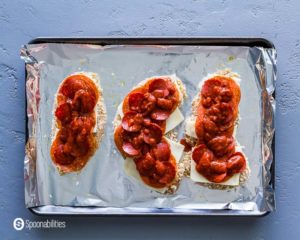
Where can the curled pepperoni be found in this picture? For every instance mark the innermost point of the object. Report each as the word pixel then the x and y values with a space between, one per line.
pixel 160 85
pixel 136 139
pixel 204 163
pixel 71 86
pixel 211 88
pixel 130 150
pixel 220 145
pixel 83 101
pixel 198 152
pixel 64 112
pixel 236 163
pixel 166 104
pixel 152 134
pixel 76 83
pixel 160 93
pixel 132 122
pixel 148 104
pixel 218 178
pixel 210 126
pixel 218 167
pixel 162 151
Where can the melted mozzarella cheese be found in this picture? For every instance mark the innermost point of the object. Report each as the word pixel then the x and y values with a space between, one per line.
pixel 130 167
pixel 174 120
pixel 176 149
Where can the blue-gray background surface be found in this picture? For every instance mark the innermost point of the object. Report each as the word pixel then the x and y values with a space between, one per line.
pixel 278 21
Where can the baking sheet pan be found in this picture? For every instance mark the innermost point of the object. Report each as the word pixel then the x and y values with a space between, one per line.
pixel 248 42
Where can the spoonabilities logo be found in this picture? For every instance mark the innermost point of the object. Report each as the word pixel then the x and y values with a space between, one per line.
pixel 18 224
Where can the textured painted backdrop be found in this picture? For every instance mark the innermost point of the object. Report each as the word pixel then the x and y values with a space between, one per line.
pixel 278 21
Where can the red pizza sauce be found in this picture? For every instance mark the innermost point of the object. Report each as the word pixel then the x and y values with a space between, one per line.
pixel 74 142
pixel 140 134
pixel 215 155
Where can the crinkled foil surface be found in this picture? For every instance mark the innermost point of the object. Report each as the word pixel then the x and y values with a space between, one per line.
pixel 103 182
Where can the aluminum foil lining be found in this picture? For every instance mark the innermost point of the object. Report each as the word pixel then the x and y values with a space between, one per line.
pixel 103 182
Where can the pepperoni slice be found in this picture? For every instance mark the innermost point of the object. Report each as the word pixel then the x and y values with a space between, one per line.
pixel 166 104
pixel 198 152
pixel 130 150
pixel 64 112
pixel 162 151
pixel 159 84
pixel 135 101
pixel 160 114
pixel 148 103
pixel 218 178
pixel 236 163
pixel 219 145
pixel 210 126
pixel 205 162
pixel 211 88
pixel 152 134
pixel 71 86
pixel 83 101
pixel 218 167
pixel 75 83
pixel 158 93
pixel 132 122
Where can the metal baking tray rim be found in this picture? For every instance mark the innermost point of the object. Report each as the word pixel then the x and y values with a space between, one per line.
pixel 249 41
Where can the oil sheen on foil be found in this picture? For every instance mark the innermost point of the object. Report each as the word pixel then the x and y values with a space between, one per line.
pixel 103 182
